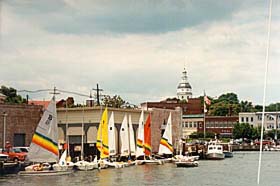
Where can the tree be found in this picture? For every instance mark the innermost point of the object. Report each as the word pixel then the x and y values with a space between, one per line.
pixel 12 96
pixel 116 101
pixel 225 105
pixel 246 106
pixel 242 130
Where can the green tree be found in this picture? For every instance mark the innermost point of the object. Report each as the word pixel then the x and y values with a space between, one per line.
pixel 116 101
pixel 246 106
pixel 12 96
pixel 242 130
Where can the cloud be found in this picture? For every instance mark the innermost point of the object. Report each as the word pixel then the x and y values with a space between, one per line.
pixel 140 64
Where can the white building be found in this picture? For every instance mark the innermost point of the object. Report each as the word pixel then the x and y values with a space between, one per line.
pixel 184 89
pixel 271 120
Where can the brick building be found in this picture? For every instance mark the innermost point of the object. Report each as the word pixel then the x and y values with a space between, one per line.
pixel 221 125
pixel 20 121
pixel 192 106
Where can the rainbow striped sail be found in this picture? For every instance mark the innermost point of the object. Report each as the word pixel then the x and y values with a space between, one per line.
pixel 165 146
pixel 44 144
pixel 140 136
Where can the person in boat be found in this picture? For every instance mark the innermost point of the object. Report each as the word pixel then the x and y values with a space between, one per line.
pixel 39 167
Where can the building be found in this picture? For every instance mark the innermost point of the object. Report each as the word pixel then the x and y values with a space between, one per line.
pixel 271 120
pixel 184 89
pixel 191 123
pixel 220 125
pixel 71 121
pixel 18 123
pixel 2 98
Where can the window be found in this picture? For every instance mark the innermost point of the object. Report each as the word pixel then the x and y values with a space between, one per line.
pixel 242 119
pixel 190 124
pixel 19 139
pixel 247 119
pixel 195 124
pixel 252 119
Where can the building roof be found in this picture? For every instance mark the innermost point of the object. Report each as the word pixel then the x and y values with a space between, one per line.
pixel 39 102
pixel 184 85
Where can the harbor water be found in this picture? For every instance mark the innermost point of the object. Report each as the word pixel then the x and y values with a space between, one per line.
pixel 237 171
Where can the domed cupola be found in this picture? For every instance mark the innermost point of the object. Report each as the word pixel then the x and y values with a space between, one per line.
pixel 184 89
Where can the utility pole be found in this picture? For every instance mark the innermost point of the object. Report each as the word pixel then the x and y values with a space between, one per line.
pixel 98 90
pixel 4 128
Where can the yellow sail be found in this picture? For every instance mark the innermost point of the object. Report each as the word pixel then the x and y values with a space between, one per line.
pixel 102 135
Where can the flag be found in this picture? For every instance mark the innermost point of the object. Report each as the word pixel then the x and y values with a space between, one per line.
pixel 207 100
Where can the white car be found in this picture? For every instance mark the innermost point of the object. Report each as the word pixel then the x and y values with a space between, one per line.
pixel 4 157
pixel 21 149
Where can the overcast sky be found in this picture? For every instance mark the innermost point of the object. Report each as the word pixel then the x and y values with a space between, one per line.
pixel 138 49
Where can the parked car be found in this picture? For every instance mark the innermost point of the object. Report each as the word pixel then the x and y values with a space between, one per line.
pixel 22 149
pixel 4 157
pixel 264 142
pixel 15 154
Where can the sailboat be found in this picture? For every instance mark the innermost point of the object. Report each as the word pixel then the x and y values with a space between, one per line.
pixel 44 145
pixel 102 139
pixel 127 140
pixel 85 165
pixel 124 137
pixel 131 137
pixel 147 145
pixel 165 146
pixel 63 164
pixel 140 138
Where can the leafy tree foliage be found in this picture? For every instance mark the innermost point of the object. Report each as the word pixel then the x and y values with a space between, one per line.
pixel 116 101
pixel 11 94
pixel 242 130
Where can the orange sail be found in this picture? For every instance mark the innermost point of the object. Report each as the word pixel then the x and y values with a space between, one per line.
pixel 147 137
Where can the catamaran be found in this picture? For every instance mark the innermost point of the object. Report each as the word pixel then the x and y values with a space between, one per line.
pixel 44 145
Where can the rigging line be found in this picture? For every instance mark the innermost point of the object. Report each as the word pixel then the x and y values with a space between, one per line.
pixel 35 91
pixel 76 93
pixel 264 89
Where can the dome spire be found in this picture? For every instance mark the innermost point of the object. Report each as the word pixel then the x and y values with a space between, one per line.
pixel 184 89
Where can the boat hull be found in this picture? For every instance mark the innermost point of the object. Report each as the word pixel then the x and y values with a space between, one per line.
pixel 228 154
pixel 215 156
pixel 187 164
pixel 44 173
pixel 155 162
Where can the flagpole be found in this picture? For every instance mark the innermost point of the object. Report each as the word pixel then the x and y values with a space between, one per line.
pixel 204 108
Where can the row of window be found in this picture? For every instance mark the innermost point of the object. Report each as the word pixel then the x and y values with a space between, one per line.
pixel 211 124
pixel 246 119
pixel 189 124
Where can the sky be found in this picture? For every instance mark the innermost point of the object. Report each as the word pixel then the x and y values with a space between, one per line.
pixel 138 49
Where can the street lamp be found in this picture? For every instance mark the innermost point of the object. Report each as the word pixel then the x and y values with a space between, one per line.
pixel 4 128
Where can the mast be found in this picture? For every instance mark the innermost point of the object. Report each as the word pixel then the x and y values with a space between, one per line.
pixel 128 131
pixel 264 89
pixel 82 145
